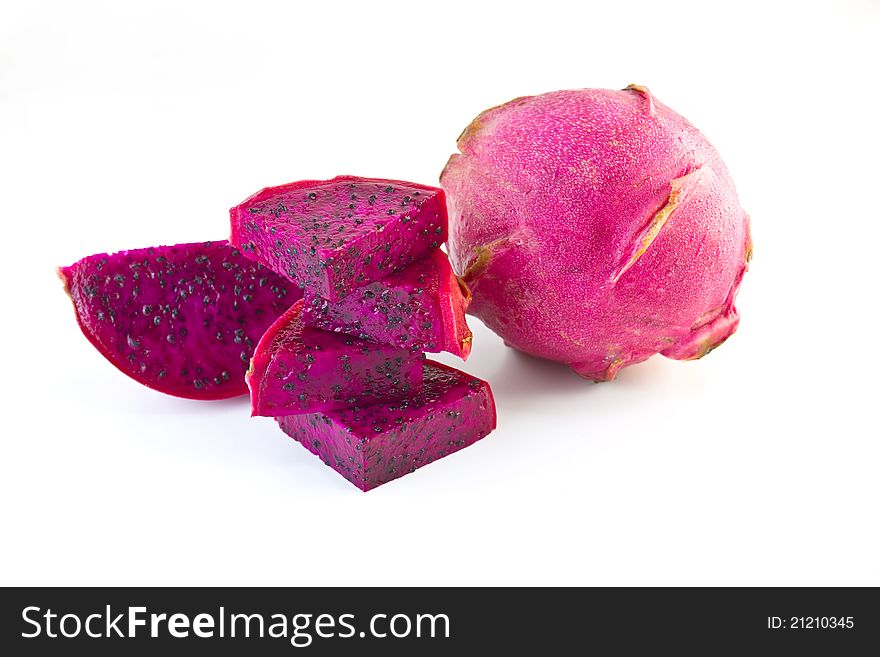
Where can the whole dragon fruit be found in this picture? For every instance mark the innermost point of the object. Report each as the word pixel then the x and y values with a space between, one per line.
pixel 596 228
pixel 184 319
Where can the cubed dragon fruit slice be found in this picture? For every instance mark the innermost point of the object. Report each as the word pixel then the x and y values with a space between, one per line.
pixel 181 319
pixel 298 369
pixel 373 445
pixel 332 236
pixel 420 308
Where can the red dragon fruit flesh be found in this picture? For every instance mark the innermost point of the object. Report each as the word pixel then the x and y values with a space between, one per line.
pixel 420 308
pixel 181 319
pixel 596 228
pixel 332 236
pixel 373 445
pixel 299 369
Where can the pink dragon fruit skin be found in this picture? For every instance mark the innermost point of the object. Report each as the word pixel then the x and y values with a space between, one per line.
pixel 596 228
pixel 373 445
pixel 420 308
pixel 332 236
pixel 180 319
pixel 298 369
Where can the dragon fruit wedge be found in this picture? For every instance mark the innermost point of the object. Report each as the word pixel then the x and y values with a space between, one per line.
pixel 181 319
pixel 332 236
pixel 371 446
pixel 420 308
pixel 299 369
pixel 596 228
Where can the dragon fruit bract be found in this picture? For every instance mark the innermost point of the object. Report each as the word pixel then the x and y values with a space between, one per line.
pixel 596 228
pixel 373 445
pixel 420 308
pixel 298 369
pixel 181 319
pixel 332 236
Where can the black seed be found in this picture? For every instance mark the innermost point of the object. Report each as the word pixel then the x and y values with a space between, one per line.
pixel 147 309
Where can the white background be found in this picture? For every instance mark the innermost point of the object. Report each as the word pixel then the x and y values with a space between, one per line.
pixel 130 124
